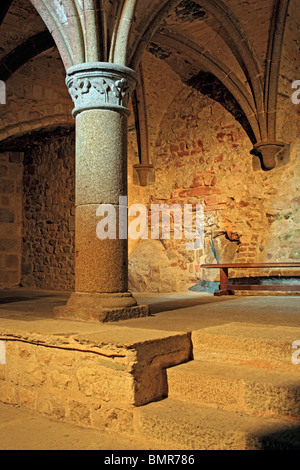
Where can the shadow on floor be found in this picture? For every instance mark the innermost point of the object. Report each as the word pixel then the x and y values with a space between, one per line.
pixel 285 439
pixel 25 303
pixel 24 295
pixel 177 304
pixel 8 300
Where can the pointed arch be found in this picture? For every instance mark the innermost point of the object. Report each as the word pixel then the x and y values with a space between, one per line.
pixel 233 35
pixel 227 26
pixel 204 61
pixel 274 53
pixel 63 20
pixel 148 31
pixel 26 51
pixel 5 6
pixel 94 26
pixel 122 30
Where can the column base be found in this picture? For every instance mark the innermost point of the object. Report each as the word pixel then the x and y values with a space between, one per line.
pixel 101 308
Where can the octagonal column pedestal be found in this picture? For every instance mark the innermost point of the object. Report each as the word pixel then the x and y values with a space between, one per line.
pixel 101 92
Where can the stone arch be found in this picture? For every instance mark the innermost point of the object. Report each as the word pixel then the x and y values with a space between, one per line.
pixel 89 32
pixel 75 38
pixel 288 73
pixel 260 82
pixel 64 25
pixel 81 31
pixel 232 35
pixel 122 29
pixel 274 53
pixel 5 6
pixel 211 66
pixel 37 83
pixel 26 51
pixel 148 29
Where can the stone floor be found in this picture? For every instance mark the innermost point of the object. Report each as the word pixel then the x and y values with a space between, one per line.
pixel 31 310
pixel 172 312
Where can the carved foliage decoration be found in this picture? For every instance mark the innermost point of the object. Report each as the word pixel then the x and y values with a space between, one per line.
pixel 100 90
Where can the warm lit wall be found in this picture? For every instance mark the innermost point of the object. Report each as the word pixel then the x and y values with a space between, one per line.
pixel 36 97
pixel 200 154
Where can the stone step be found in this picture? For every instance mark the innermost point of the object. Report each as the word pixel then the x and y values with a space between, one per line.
pixel 236 387
pixel 171 424
pixel 264 346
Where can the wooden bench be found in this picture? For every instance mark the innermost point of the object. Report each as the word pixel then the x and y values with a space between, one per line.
pixel 228 289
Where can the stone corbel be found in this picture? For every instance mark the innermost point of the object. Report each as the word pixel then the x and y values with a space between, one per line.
pixel 270 152
pixel 146 173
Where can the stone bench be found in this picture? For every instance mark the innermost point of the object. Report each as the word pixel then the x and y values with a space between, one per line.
pixel 226 288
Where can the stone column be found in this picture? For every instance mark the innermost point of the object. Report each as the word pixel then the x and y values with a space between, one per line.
pixel 100 92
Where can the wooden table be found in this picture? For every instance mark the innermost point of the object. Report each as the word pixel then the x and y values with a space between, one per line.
pixel 228 289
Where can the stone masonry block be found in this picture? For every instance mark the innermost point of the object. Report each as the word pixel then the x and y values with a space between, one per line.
pixel 6 186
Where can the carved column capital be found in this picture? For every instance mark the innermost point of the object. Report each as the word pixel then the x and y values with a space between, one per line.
pixel 100 85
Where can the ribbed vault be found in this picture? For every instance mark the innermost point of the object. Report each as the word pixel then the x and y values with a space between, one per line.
pixel 200 39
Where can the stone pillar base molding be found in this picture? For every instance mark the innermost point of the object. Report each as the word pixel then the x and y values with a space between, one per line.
pixel 101 308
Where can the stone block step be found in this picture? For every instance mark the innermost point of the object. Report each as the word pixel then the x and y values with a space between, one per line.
pixel 236 387
pixel 263 346
pixel 171 424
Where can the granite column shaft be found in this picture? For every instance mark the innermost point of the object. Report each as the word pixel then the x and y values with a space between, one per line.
pixel 100 92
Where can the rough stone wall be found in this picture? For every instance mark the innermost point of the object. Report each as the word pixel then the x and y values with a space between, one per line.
pixel 11 173
pixel 48 241
pixel 36 97
pixel 202 155
pixel 281 208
